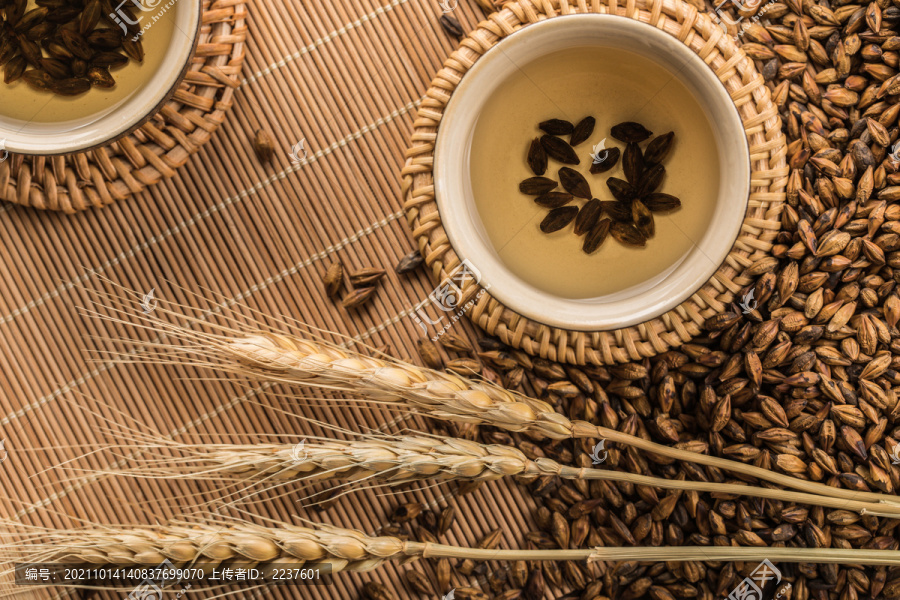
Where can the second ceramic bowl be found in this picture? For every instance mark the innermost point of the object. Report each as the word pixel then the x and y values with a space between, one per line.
pixel 45 134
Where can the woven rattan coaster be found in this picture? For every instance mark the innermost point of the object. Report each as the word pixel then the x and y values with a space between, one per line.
pixel 769 174
pixel 101 176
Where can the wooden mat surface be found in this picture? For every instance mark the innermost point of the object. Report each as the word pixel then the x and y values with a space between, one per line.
pixel 345 76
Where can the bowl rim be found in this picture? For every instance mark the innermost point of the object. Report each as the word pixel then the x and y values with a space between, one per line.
pixel 592 314
pixel 127 128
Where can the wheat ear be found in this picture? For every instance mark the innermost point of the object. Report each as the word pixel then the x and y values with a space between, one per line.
pixel 405 459
pixel 449 397
pixel 344 549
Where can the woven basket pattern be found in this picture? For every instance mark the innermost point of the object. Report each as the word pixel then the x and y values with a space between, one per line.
pixel 762 222
pixel 98 177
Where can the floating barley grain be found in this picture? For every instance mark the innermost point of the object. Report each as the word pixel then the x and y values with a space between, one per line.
pixel 40 31
pixel 558 218
pixel 554 199
pixel 618 211
pixel 8 49
pixel 37 79
pixel 605 160
pixel 100 77
pixel 104 39
pixel 14 69
pixel 133 49
pixel 467 487
pixel 57 50
pixel 559 150
pixel 128 14
pixel 63 15
pixel 15 11
pixel 498 359
pixel 80 67
pixel 556 127
pixel 491 540
pixel 488 542
pixel 537 157
pixel 90 17
pixel 633 163
pixel 56 68
pixel 108 59
pixel 621 189
pixel 31 18
pixel 596 236
pixel 30 50
pixel 534 586
pixel 488 344
pixel 70 87
pixel 627 234
pixel 497 579
pixel 575 183
pixel 582 131
pixel 77 44
pixel 468 593
pixel 650 180
pixel 630 131
pixel 537 186
pixel 659 148
pixel 660 202
pixel 643 219
pixel 587 217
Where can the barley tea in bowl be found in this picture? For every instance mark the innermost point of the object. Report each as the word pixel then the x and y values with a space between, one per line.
pixel 77 74
pixel 69 59
pixel 558 158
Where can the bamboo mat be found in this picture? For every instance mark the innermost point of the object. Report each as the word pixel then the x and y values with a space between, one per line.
pixel 345 76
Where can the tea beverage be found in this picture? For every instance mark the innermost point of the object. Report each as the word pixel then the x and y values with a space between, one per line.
pixel 20 102
pixel 613 86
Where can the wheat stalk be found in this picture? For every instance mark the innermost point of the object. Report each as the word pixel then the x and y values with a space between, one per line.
pixel 405 459
pixel 312 361
pixel 337 549
pixel 445 396
pixel 342 549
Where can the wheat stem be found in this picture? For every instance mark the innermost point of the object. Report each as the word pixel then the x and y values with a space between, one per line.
pixel 344 549
pixel 399 460
pixel 449 397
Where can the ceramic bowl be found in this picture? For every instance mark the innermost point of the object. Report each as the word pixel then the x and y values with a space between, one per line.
pixel 460 216
pixel 111 123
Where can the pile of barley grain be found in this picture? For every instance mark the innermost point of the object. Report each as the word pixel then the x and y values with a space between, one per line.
pixel 804 385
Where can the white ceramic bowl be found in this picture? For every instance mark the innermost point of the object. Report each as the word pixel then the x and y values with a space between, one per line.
pixel 460 216
pixel 40 138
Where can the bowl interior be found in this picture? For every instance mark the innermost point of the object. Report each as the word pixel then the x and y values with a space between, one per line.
pixel 463 221
pixel 34 130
